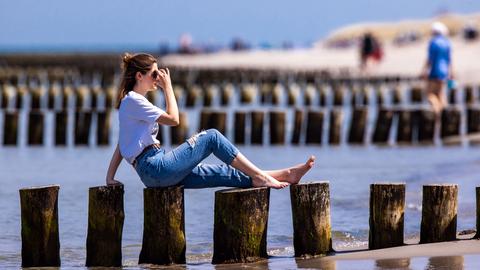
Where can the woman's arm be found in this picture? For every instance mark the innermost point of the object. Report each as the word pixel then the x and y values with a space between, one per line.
pixel 112 168
pixel 171 117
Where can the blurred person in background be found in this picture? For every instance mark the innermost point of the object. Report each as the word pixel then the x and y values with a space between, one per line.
pixel 438 67
pixel 370 49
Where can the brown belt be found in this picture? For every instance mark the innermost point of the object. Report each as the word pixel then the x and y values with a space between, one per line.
pixel 155 146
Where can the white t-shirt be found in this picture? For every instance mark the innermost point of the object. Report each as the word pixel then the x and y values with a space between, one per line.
pixel 138 126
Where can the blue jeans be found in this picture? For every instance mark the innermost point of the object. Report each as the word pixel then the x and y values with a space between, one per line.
pixel 182 166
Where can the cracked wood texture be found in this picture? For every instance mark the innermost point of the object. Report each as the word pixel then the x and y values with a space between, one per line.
pixel 387 208
pixel 163 226
pixel 439 213
pixel 311 219
pixel 40 239
pixel 240 225
pixel 105 226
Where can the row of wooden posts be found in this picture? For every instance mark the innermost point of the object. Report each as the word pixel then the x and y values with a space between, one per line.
pixel 270 94
pixel 417 125
pixel 240 222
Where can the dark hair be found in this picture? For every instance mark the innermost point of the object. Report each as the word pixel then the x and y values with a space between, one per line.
pixel 140 62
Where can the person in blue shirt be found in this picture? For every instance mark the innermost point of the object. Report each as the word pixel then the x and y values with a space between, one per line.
pixel 438 67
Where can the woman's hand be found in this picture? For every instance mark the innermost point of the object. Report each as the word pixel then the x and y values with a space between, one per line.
pixel 113 182
pixel 164 79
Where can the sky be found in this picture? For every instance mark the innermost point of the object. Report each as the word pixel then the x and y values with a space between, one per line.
pixel 104 23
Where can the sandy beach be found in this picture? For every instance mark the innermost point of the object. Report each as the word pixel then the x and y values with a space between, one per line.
pixel 406 60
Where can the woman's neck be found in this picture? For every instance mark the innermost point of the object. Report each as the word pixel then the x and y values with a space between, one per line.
pixel 140 90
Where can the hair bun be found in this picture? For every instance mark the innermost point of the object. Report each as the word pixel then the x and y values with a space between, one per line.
pixel 126 60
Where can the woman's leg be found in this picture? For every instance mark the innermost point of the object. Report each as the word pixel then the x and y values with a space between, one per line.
pixel 180 162
pixel 294 174
pixel 213 175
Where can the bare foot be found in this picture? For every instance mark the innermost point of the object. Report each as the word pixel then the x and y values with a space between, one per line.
pixel 265 180
pixel 296 173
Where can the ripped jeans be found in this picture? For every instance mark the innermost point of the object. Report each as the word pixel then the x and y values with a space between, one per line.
pixel 181 166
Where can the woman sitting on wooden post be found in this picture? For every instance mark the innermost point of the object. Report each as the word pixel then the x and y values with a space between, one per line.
pixel 139 121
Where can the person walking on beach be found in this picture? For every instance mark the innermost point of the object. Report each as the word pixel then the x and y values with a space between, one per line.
pixel 370 48
pixel 139 120
pixel 438 67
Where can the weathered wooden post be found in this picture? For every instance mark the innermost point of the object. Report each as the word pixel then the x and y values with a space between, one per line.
pixel 40 238
pixel 439 213
pixel 277 127
pixel 257 127
pixel 277 94
pixel 416 95
pixel 208 96
pixel 20 97
pixel 405 127
pixel 322 96
pixel 66 94
pixel 163 226
pixel 309 95
pixel 397 96
pixel 178 134
pixel 239 133
pixel 10 129
pixel 297 126
pixel 382 126
pixel 337 95
pixel 110 98
pixel 451 119
pixel 240 226
pixel 247 93
pixel 358 125
pixel 314 127
pixel 387 207
pixel 226 94
pixel 477 195
pixel 335 127
pixel 192 95
pixel 469 95
pixel 365 96
pixel 452 96
pixel 35 127
pixel 83 120
pixel 293 93
pixel 105 226
pixel 473 123
pixel 425 125
pixel 61 122
pixel 103 127
pixel 311 219
pixel 379 96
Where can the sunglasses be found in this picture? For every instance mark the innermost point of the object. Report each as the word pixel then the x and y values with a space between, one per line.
pixel 155 74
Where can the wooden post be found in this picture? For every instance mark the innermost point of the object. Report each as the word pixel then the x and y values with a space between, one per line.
pixel 208 96
pixel 240 119
pixel 66 94
pixel 314 127
pixel 379 96
pixel 277 127
pixel 20 98
pixel 297 126
pixel 213 119
pixel 335 128
pixel 469 95
pixel 308 95
pixel 405 127
pixel 103 127
pixel 10 129
pixel 40 238
pixel 365 96
pixel 293 93
pixel 337 95
pixel 452 96
pixel 240 226
pixel 382 126
pixel 110 98
pixel 439 213
pixel 322 100
pixel 477 194
pixel 397 96
pixel 36 98
pixel 83 121
pixel 416 95
pixel 179 133
pixel 358 126
pixel 277 94
pixel 53 93
pixel 105 226
pixel 247 93
pixel 35 127
pixel 192 95
pixel 387 207
pixel 451 119
pixel 226 94
pixel 164 226
pixel 473 120
pixel 425 124
pixel 257 127
pixel 61 123
pixel 311 219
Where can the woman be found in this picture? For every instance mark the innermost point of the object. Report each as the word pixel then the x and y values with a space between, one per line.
pixel 138 145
